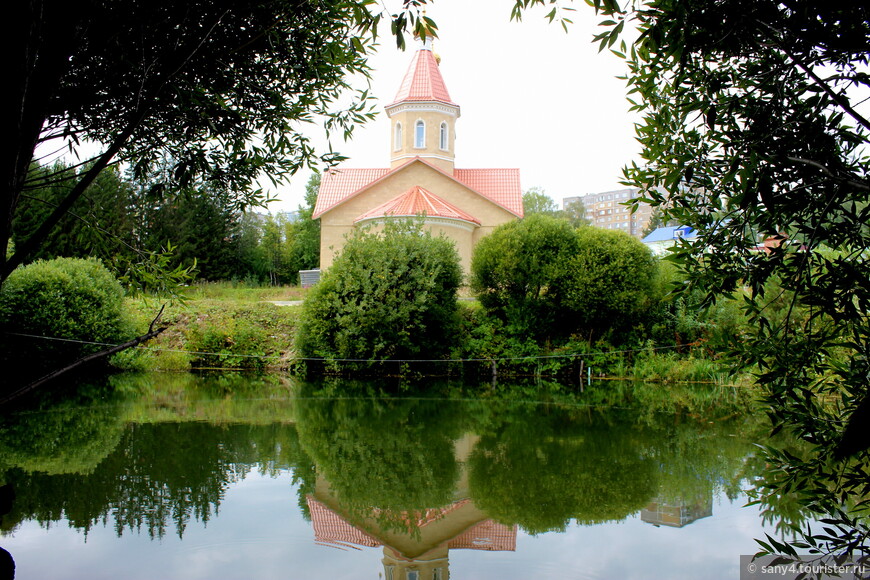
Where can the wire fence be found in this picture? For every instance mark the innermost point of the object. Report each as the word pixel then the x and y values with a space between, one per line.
pixel 506 359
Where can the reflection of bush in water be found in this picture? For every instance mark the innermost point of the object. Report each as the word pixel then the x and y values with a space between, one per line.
pixel 394 454
pixel 541 471
pixel 70 438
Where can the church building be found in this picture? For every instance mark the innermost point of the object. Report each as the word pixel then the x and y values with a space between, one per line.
pixel 463 205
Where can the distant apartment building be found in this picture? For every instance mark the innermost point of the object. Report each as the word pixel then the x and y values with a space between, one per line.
pixel 609 210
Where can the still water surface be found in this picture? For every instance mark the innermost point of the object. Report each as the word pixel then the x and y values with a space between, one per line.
pixel 177 476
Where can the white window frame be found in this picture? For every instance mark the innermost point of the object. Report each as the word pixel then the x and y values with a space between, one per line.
pixel 397 137
pixel 444 136
pixel 420 134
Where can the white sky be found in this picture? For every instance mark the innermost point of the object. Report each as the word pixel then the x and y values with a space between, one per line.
pixel 531 96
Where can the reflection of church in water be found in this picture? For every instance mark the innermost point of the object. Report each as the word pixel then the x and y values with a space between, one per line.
pixel 676 514
pixel 420 550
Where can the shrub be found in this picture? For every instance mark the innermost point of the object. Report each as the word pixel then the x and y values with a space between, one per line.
pixel 612 281
pixel 66 298
pixel 389 295
pixel 548 280
pixel 230 343
pixel 520 273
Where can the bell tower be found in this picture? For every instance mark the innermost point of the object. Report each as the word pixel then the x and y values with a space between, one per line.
pixel 422 116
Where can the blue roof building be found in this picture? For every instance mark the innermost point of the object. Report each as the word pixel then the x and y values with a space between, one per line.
pixel 660 239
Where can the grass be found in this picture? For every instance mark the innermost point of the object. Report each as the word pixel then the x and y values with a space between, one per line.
pixel 237 327
pixel 670 367
pixel 239 292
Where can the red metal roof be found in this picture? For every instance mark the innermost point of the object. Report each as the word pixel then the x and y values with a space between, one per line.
pixel 337 185
pixel 487 535
pixel 423 81
pixel 418 201
pixel 331 529
pixel 500 186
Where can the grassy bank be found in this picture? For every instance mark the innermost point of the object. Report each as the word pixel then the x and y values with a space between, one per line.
pixel 233 327
pixel 230 328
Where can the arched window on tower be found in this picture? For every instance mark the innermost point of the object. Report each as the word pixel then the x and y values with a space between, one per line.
pixel 397 138
pixel 420 134
pixel 444 137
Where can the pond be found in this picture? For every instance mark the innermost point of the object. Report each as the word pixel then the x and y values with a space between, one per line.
pixel 227 477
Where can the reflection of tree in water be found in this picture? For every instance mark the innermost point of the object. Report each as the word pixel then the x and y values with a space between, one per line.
pixel 156 475
pixel 384 456
pixel 698 459
pixel 543 467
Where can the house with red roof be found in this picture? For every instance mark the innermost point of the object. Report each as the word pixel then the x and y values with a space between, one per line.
pixel 463 205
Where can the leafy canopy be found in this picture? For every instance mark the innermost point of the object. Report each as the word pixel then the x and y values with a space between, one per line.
pixel 754 135
pixel 219 87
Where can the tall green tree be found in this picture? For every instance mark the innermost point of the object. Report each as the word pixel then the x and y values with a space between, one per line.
pixel 253 256
pixel 275 249
pixel 753 131
pixel 215 85
pixel 100 223
pixel 303 233
pixel 575 213
pixel 203 228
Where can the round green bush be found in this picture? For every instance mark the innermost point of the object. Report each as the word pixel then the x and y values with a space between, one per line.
pixel 545 279
pixel 68 303
pixel 520 273
pixel 389 295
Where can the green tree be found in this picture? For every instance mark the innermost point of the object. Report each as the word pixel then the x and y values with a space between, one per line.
pixel 753 132
pixel 536 201
pixel 303 234
pixel 203 227
pixel 612 281
pixel 548 280
pixel 213 85
pixel 99 224
pixel 520 273
pixel 275 250
pixel 388 295
pixel 575 213
pixel 253 256
pixel 57 311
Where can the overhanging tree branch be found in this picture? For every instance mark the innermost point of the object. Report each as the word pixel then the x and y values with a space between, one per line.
pixel 152 332
pixel 35 239
pixel 842 102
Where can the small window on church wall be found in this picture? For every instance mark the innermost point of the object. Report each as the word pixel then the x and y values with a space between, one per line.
pixel 397 139
pixel 420 135
pixel 443 137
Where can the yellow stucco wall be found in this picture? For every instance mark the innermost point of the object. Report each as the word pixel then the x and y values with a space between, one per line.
pixel 408 116
pixel 338 222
